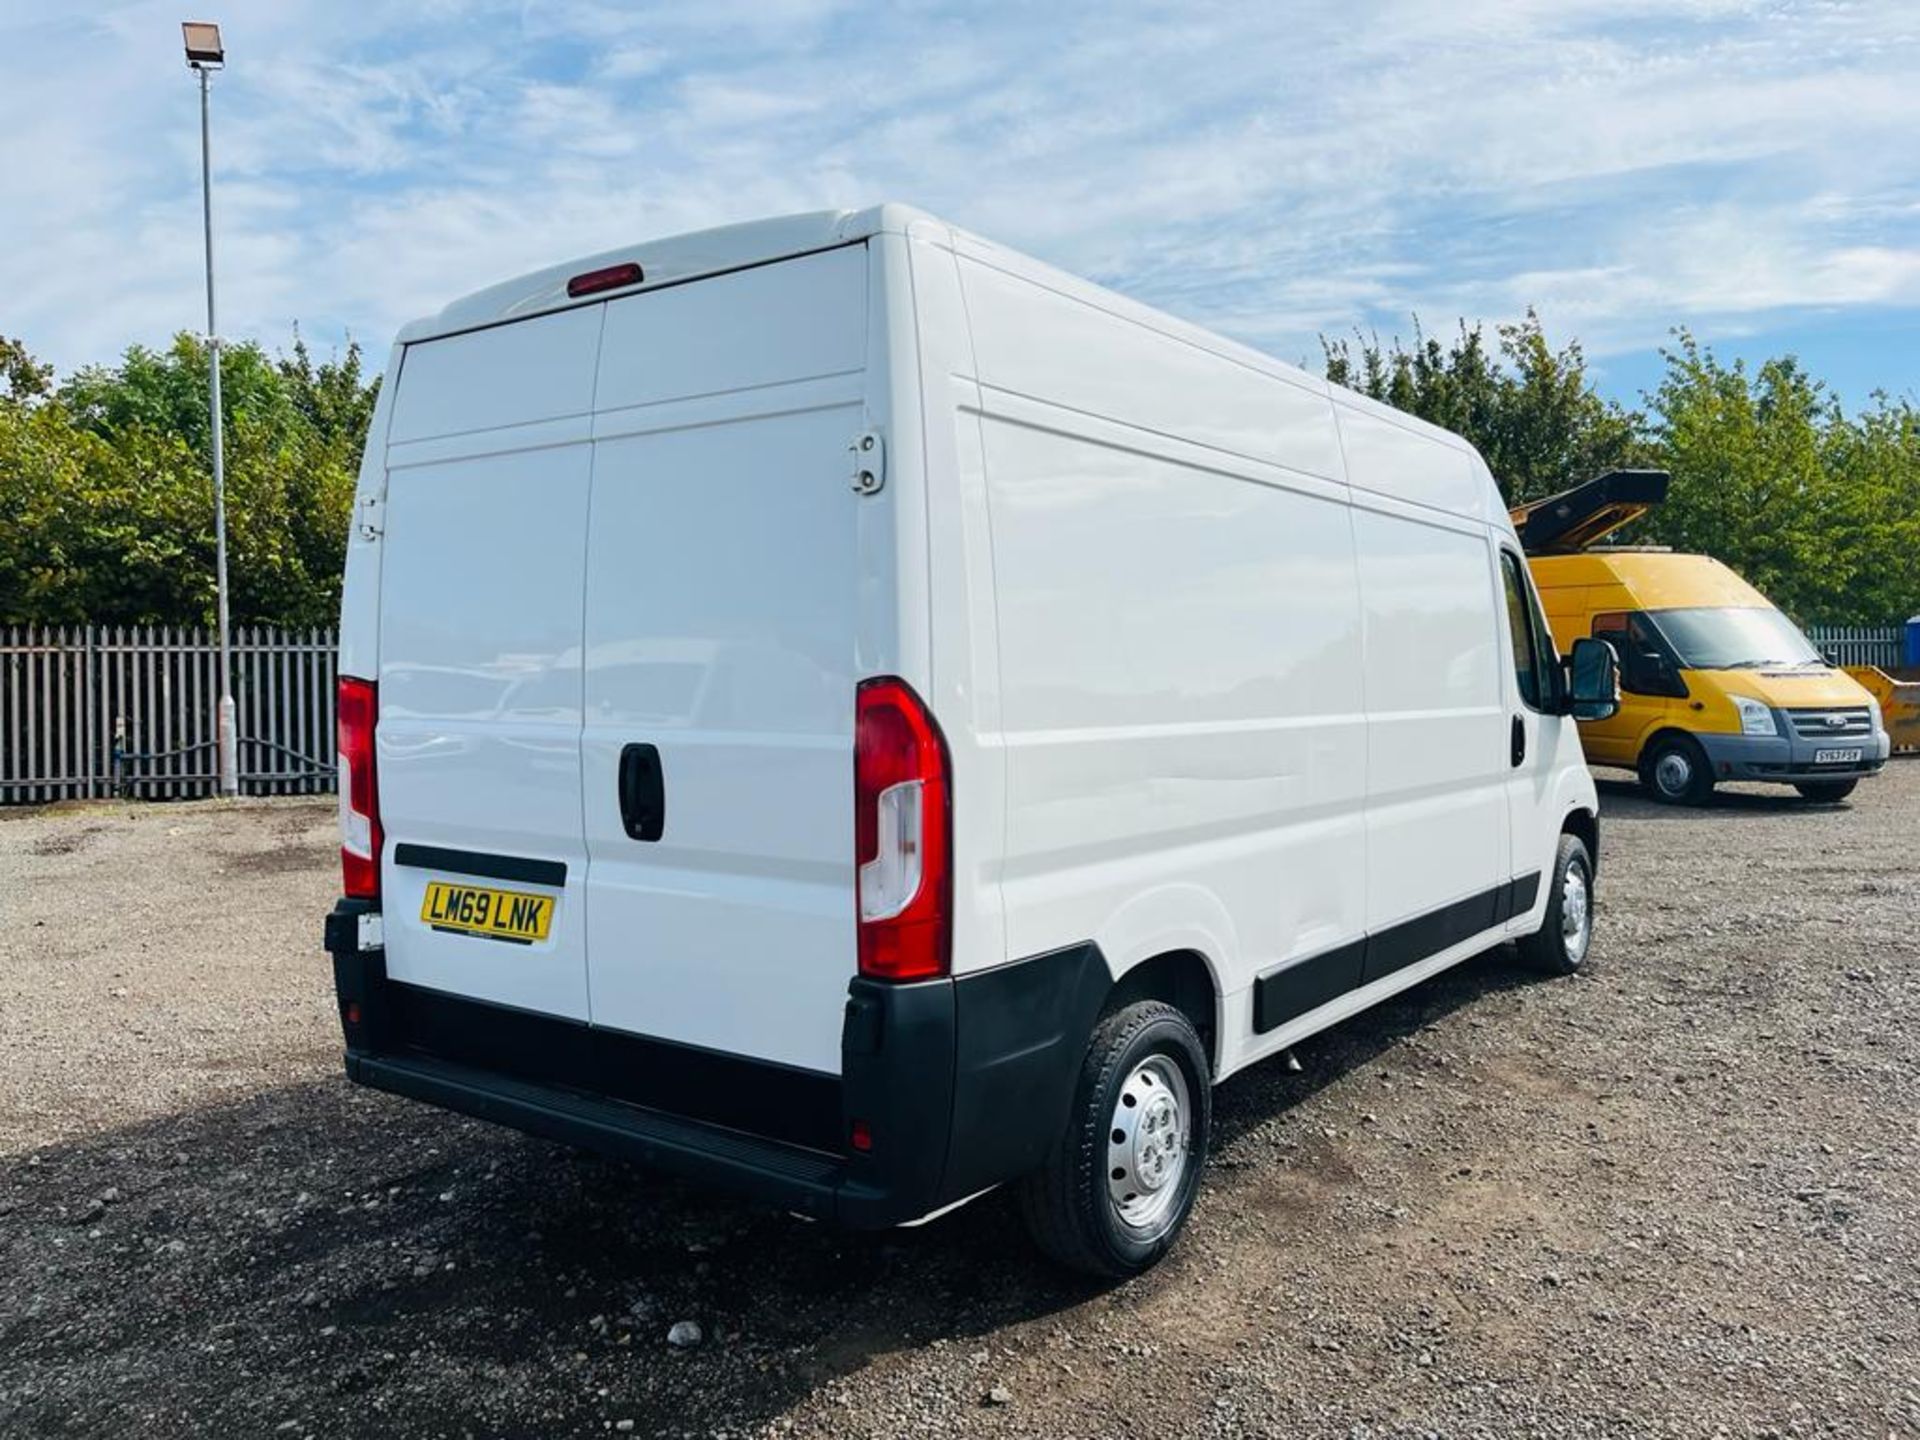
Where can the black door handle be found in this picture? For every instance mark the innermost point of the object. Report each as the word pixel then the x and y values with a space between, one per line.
pixel 1519 740
pixel 643 792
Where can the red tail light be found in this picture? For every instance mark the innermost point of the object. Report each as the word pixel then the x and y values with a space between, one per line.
pixel 902 834
pixel 359 792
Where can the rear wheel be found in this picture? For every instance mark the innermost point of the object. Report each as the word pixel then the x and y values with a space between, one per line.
pixel 1825 792
pixel 1675 771
pixel 1560 945
pixel 1120 1183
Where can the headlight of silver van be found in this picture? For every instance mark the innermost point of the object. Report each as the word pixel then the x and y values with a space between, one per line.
pixel 1755 718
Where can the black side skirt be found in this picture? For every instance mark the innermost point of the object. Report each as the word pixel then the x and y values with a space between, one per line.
pixel 1308 984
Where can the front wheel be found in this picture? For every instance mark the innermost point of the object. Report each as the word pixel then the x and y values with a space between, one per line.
pixel 1120 1183
pixel 1825 792
pixel 1560 945
pixel 1675 772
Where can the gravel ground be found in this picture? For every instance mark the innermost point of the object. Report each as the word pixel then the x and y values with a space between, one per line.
pixel 1677 1196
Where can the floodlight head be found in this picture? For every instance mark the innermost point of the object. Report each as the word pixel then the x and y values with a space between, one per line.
pixel 203 45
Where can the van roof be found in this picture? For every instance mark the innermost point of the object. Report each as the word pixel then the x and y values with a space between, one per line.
pixel 756 242
pixel 676 257
pixel 1656 580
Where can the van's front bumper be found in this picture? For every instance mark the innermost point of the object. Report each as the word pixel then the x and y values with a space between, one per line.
pixel 955 1084
pixel 1787 758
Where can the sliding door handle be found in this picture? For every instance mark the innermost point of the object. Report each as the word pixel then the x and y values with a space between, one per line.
pixel 1519 743
pixel 643 792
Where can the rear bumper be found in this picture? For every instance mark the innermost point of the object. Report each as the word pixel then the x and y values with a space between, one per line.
pixel 789 1176
pixel 960 1084
pixel 1787 758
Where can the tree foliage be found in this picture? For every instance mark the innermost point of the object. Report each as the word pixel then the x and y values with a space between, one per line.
pixel 1818 508
pixel 107 480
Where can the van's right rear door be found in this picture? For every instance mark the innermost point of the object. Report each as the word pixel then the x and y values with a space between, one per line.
pixel 722 603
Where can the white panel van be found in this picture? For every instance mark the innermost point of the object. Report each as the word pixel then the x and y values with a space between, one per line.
pixel 846 712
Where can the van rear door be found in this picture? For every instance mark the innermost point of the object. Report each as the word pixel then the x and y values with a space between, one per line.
pixel 720 654
pixel 479 681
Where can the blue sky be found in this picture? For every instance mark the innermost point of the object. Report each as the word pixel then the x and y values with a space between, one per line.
pixel 1272 170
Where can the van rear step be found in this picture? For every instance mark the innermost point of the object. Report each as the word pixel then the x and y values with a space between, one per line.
pixel 765 1170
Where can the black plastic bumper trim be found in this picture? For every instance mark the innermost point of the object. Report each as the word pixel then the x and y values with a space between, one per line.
pixel 955 1084
pixel 784 1175
pixel 781 1102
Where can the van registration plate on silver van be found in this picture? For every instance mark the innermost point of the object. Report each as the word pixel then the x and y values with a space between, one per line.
pixel 1836 757
pixel 496 914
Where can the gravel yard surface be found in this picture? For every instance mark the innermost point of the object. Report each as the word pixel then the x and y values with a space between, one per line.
pixel 1679 1195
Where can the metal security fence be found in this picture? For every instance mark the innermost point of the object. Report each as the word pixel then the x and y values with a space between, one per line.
pixel 90 711
pixel 1882 645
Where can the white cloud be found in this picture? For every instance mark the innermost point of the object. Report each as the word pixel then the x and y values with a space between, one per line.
pixel 1272 170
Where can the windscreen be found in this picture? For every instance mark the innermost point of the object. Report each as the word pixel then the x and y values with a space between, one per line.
pixel 1734 638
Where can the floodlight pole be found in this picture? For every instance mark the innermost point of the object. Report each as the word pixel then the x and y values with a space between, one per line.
pixel 226 729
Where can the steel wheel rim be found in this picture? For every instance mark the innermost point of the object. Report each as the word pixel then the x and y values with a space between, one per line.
pixel 1673 773
pixel 1149 1145
pixel 1576 913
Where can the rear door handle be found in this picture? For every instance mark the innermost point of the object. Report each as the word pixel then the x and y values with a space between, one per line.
pixel 643 792
pixel 1519 740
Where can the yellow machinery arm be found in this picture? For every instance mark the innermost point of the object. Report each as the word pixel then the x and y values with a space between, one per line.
pixel 1588 513
pixel 1899 697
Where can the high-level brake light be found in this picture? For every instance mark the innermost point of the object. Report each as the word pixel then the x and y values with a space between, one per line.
pixel 611 277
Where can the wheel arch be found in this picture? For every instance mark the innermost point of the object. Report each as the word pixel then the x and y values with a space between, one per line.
pixel 1182 978
pixel 1659 735
pixel 1174 943
pixel 1585 825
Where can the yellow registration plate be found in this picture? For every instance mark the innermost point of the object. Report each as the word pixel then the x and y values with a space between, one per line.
pixel 497 914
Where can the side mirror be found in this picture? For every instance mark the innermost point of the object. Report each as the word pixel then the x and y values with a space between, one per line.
pixel 1593 684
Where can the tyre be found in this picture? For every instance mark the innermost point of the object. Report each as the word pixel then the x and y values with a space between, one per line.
pixel 1120 1183
pixel 1675 771
pixel 1825 792
pixel 1560 945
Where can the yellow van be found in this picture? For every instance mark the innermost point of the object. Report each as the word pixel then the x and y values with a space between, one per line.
pixel 1716 684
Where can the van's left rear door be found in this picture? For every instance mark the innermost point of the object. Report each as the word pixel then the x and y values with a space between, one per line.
pixel 478 760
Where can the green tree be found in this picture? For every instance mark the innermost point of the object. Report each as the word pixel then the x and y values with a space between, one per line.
pixel 25 377
pixel 1875 461
pixel 1749 483
pixel 1819 509
pixel 110 474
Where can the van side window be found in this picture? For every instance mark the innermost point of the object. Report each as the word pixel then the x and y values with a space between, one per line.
pixel 1530 655
pixel 1644 667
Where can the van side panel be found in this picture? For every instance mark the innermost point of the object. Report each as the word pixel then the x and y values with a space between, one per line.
pixel 1178 630
pixel 1040 342
pixel 479 731
pixel 1392 455
pixel 722 603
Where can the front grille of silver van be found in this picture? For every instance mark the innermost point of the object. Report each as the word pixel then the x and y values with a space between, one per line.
pixel 1831 724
